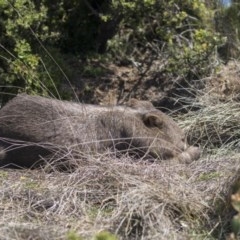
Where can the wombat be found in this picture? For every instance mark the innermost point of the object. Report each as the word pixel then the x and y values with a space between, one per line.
pixel 33 127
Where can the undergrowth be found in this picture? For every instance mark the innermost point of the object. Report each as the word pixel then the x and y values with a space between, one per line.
pixel 129 200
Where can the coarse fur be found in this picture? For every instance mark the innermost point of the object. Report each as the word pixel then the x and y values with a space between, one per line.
pixel 33 127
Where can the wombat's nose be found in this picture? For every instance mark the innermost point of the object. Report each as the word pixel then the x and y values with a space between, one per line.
pixel 195 152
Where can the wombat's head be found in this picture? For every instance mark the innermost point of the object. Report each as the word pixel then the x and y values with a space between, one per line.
pixel 165 128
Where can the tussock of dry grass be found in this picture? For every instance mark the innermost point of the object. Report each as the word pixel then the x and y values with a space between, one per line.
pixel 134 200
pixel 215 125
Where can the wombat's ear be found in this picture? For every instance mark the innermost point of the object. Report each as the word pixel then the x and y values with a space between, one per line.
pixel 152 120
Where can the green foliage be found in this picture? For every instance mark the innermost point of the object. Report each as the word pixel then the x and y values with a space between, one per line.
pixel 28 28
pixel 20 19
pixel 3 175
pixel 71 235
pixel 93 71
pixel 236 218
pixel 179 34
pixel 209 176
pixel 228 25
pixel 179 31
pixel 104 235
pixel 80 26
pixel 30 183
pixel 231 16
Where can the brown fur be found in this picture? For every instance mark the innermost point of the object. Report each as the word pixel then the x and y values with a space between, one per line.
pixel 32 127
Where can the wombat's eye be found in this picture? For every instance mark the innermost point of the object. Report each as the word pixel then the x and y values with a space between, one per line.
pixel 183 139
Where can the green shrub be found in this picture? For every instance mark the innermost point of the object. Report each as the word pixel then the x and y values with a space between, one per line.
pixel 236 219
pixel 178 35
pixel 228 24
pixel 104 235
pixel 21 65
pixel 71 235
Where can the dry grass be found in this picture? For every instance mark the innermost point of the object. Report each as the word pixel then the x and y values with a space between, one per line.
pixel 215 125
pixel 134 200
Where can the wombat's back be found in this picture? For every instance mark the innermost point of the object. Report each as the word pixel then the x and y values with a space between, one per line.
pixel 34 118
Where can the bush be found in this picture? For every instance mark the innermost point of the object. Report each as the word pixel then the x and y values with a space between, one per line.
pixel 228 24
pixel 21 29
pixel 173 40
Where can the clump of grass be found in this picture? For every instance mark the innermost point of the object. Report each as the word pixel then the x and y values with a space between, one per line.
pixel 214 125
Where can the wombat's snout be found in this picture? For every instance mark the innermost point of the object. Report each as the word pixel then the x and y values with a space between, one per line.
pixel 194 152
pixel 191 154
